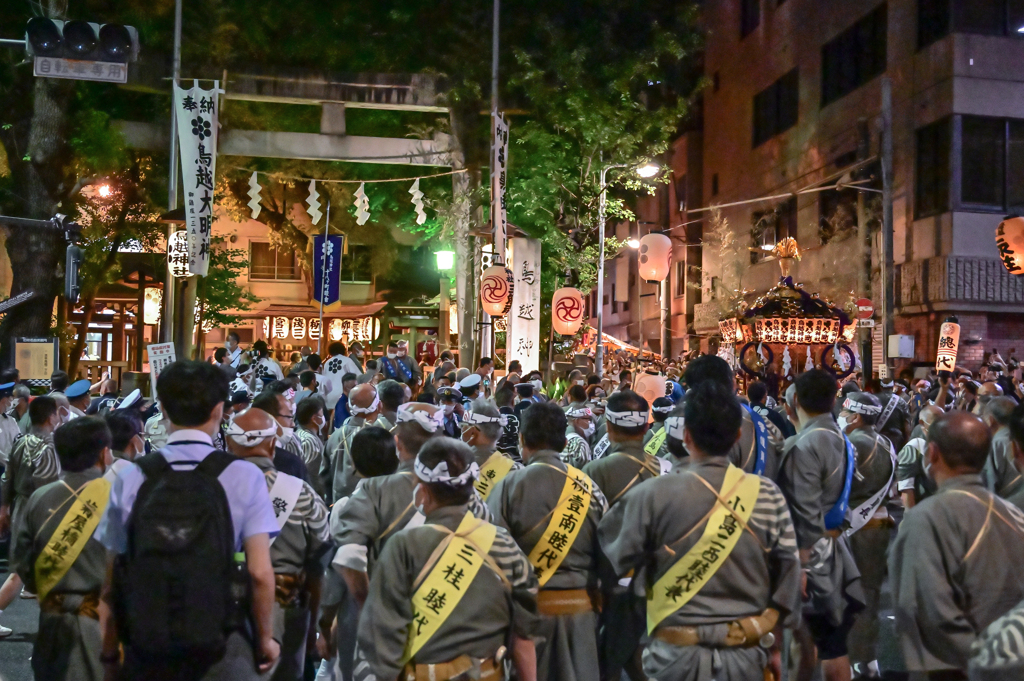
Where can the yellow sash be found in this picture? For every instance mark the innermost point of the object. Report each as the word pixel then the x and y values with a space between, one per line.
pixel 566 521
pixel 689 574
pixel 654 444
pixel 72 534
pixel 492 472
pixel 454 571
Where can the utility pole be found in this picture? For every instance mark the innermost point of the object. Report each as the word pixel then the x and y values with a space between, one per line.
pixel 886 251
pixel 167 325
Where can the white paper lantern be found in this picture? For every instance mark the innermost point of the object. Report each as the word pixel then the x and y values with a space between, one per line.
pixel 280 327
pixel 496 290
pixel 567 311
pixel 949 343
pixel 1010 242
pixel 299 328
pixel 314 329
pixel 152 305
pixel 655 257
pixel 335 330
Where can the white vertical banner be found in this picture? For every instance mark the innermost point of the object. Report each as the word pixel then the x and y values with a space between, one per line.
pixel 196 110
pixel 499 166
pixel 523 340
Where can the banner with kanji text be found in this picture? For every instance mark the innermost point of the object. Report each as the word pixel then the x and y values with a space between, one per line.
pixel 196 111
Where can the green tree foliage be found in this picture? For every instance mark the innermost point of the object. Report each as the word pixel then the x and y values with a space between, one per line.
pixel 220 295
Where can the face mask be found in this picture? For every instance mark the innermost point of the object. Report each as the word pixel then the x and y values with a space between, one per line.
pixel 64 415
pixel 537 384
pixel 449 409
pixel 463 436
pixel 419 507
pixel 227 345
pixel 359 353
pixel 580 382
pixel 286 433
pixel 319 425
pixel 843 423
pixel 589 430
pixel 392 355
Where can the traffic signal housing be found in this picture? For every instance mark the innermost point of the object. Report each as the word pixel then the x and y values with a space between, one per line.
pixel 81 40
pixel 72 265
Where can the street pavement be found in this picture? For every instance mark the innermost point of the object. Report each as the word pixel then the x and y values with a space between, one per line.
pixel 16 649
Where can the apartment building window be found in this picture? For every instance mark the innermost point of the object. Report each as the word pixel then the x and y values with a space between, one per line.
pixel 355 265
pixel 992 163
pixel 933 19
pixel 615 303
pixel 769 227
pixel 750 16
pixel 931 182
pixel 936 18
pixel 680 278
pixel 267 263
pixel 854 57
pixel 776 108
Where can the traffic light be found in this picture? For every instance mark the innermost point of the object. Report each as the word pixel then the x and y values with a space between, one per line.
pixel 72 263
pixel 81 50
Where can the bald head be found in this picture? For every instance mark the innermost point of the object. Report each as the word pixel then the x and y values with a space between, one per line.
pixel 929 414
pixel 990 389
pixel 253 421
pixel 961 440
pixel 362 395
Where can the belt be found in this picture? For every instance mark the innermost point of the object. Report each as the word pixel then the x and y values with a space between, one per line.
pixel 461 668
pixel 289 590
pixel 745 633
pixel 56 604
pixel 555 602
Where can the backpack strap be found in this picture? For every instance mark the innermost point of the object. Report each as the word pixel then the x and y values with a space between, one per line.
pixel 153 465
pixel 215 463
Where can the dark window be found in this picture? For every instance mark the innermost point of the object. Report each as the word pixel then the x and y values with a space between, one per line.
pixel 980 16
pixel 750 16
pixel 837 214
pixel 776 108
pixel 854 57
pixel 931 188
pixel 680 278
pixel 355 265
pixel 269 263
pixel 615 303
pixel 1015 168
pixel 932 21
pixel 769 227
pixel 681 192
pixel 714 184
pixel 992 163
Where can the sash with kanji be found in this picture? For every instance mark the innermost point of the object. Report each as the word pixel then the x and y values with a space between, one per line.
pixel 890 407
pixel 654 444
pixel 726 522
pixel 492 472
pixel 463 554
pixel 283 497
pixel 860 516
pixel 72 534
pixel 566 520
pixel 760 439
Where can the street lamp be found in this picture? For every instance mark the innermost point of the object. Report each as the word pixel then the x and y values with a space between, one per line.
pixel 445 262
pixel 647 170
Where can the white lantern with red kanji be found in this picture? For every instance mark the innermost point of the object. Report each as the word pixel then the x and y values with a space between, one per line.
pixel 280 328
pixel 949 343
pixel 567 311
pixel 655 257
pixel 1010 242
pixel 496 290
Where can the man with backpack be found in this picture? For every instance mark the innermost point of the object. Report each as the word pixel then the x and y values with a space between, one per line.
pixel 188 528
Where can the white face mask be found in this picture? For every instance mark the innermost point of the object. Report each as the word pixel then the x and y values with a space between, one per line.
pixel 463 436
pixel 579 382
pixel 392 355
pixel 320 423
pixel 537 384
pixel 843 423
pixel 419 507
pixel 449 409
pixel 286 433
pixel 589 430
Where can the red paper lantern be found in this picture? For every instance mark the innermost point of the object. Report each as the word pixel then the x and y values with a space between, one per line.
pixel 496 290
pixel 1010 242
pixel 567 311
pixel 655 257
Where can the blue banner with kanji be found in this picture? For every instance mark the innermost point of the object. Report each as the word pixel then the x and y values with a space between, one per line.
pixel 327 268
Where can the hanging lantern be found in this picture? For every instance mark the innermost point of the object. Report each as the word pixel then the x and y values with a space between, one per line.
pixel 649 387
pixel 314 329
pixel 567 311
pixel 151 306
pixel 177 254
pixel 280 327
pixel 1010 242
pixel 335 329
pixel 655 257
pixel 299 328
pixel 496 290
pixel 949 343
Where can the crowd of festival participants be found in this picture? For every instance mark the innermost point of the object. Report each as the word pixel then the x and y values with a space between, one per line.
pixel 380 519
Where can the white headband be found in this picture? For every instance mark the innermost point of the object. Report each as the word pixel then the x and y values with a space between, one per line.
pixel 626 419
pixel 579 413
pixel 474 417
pixel 674 427
pixel 664 410
pixel 430 422
pixel 249 438
pixel 887 384
pixel 861 408
pixel 440 473
pixel 354 410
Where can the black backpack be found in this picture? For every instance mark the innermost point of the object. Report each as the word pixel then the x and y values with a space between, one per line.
pixel 176 591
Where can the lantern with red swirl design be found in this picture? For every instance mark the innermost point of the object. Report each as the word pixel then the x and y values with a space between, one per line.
pixel 655 257
pixel 567 311
pixel 496 290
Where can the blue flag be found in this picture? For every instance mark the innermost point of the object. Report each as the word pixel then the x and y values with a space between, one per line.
pixel 327 268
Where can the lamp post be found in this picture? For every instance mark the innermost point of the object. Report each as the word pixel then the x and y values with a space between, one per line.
pixel 445 262
pixel 645 171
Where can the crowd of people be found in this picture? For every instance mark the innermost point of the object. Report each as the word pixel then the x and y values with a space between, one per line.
pixel 382 519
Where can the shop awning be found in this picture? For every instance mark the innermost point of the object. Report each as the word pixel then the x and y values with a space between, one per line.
pixel 616 344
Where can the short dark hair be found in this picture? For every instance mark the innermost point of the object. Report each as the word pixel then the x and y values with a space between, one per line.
pixel 459 457
pixel 306 378
pixel 391 394
pixel 336 348
pixel 40 409
pixel 661 403
pixel 542 426
pixel 267 401
pixel 189 391
pixel 307 409
pixel 373 452
pixel 577 393
pixel 124 424
pixel 624 374
pixel 233 334
pixel 713 417
pixel 512 366
pixel 708 368
pixel 962 439
pixel 816 391
pixel 313 361
pixel 219 354
pixel 80 442
pixel 504 397
pixel 593 379
pixel 412 436
pixel 59 380
pixel 345 378
pixel 756 392
pixel 392 344
pixel 626 400
pixel 277 387
pixel 484 361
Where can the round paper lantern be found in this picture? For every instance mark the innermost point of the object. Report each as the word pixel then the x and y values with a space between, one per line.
pixel 496 290
pixel 655 257
pixel 567 311
pixel 649 387
pixel 1010 242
